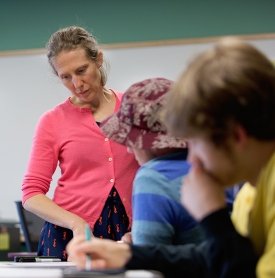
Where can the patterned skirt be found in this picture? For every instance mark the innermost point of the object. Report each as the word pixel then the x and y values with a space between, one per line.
pixel 113 223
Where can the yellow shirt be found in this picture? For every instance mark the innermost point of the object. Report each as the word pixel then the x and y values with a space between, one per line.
pixel 254 216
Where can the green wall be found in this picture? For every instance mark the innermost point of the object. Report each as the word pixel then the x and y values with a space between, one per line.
pixel 27 24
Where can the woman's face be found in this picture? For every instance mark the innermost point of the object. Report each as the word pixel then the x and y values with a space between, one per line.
pixel 79 74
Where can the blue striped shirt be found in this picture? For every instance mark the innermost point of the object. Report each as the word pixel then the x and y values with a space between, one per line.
pixel 158 216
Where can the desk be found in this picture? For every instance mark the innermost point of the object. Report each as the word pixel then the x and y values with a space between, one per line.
pixel 57 270
pixel 27 270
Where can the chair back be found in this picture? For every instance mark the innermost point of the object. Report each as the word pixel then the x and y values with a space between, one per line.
pixel 31 226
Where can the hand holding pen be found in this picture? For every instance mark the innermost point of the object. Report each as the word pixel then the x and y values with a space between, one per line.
pixel 88 236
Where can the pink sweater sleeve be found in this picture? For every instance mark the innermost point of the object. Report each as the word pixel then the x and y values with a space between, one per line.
pixel 43 160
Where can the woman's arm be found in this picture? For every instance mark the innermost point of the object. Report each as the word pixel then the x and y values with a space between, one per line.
pixel 42 164
pixel 45 208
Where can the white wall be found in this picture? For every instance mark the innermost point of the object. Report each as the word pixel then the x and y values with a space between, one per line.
pixel 28 88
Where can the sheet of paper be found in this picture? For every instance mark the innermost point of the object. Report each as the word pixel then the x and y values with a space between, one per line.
pixel 142 274
pixel 36 265
pixel 30 273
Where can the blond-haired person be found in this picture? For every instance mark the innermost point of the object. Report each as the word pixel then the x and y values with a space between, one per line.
pixel 95 186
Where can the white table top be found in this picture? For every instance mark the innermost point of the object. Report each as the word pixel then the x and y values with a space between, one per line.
pixel 55 270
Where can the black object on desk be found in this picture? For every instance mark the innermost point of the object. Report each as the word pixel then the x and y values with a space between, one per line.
pixel 75 273
pixel 34 259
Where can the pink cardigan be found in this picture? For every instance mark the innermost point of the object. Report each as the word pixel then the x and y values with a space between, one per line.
pixel 90 164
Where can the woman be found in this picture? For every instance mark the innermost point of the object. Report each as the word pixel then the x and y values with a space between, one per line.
pixel 96 174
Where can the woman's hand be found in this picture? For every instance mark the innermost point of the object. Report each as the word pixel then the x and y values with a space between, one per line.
pixel 78 226
pixel 127 238
pixel 45 208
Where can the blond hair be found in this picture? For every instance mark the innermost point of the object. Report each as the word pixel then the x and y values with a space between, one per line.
pixel 231 83
pixel 70 38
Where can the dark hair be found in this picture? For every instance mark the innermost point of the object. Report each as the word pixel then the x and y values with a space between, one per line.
pixel 70 38
pixel 231 83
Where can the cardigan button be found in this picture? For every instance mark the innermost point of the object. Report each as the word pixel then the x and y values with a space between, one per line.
pixel 111 180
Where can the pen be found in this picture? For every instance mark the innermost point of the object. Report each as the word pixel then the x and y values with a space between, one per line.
pixel 88 257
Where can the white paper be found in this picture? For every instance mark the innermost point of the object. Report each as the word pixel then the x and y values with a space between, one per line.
pixel 36 265
pixel 30 273
pixel 142 274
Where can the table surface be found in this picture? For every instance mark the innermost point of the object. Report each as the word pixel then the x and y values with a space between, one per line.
pixel 57 270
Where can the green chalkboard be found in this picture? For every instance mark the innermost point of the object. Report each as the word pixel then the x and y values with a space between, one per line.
pixel 27 24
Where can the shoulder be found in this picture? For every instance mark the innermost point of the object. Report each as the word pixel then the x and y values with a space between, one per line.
pixel 267 174
pixel 146 179
pixel 54 114
pixel 172 166
pixel 150 181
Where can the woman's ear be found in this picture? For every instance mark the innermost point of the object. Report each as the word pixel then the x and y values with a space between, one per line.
pixel 99 59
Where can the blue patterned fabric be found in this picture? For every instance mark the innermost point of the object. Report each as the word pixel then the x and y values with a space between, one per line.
pixel 113 223
pixel 53 241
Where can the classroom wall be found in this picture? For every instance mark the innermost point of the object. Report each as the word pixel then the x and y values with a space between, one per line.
pixel 27 24
pixel 28 88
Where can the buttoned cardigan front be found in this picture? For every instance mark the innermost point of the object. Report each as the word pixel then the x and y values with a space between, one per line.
pixel 90 164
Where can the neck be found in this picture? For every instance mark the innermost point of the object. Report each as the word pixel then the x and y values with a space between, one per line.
pixel 107 95
pixel 100 100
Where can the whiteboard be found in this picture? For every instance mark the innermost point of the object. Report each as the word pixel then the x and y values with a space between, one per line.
pixel 29 88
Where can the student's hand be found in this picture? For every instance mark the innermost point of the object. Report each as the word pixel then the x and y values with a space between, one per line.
pixel 104 253
pixel 127 238
pixel 201 194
